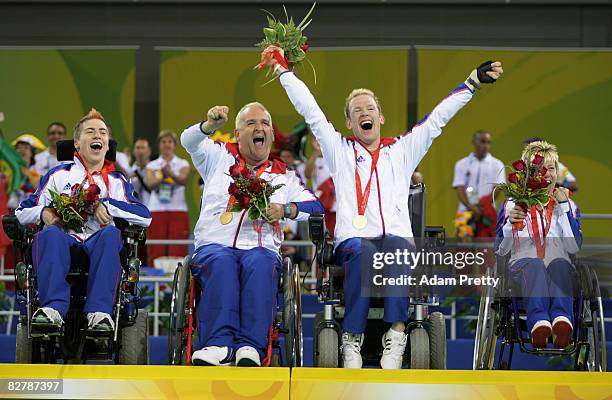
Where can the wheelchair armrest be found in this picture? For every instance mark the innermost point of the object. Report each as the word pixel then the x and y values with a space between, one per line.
pixel 136 232
pixel 12 227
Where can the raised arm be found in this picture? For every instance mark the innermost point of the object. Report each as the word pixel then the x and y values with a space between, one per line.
pixel 417 142
pixel 195 139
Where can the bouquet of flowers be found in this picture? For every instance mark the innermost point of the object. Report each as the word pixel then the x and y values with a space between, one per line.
pixel 289 38
pixel 527 185
pixel 74 209
pixel 250 192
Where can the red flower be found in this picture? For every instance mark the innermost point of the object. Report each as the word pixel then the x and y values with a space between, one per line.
pixel 234 170
pixel 244 201
pixel 246 173
pixel 543 171
pixel 544 183
pixel 533 183
pixel 537 160
pixel 305 47
pixel 255 186
pixel 92 194
pixel 513 177
pixel 233 189
pixel 519 165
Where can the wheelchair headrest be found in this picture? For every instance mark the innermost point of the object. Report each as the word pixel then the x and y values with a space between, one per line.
pixel 66 149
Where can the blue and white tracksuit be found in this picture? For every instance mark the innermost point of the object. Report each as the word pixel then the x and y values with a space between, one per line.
pixel 51 246
pixel 387 209
pixel 546 284
pixel 237 264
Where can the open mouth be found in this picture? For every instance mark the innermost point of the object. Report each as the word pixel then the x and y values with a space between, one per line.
pixel 366 125
pixel 96 146
pixel 259 141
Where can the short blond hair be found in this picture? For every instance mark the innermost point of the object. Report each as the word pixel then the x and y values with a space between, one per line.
pixel 543 148
pixel 247 106
pixel 360 92
pixel 92 114
pixel 164 133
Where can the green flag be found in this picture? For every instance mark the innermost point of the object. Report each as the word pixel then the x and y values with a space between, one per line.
pixel 10 165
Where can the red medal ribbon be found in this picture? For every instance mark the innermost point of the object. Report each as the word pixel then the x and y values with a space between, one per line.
pixel 541 244
pixel 106 169
pixel 362 198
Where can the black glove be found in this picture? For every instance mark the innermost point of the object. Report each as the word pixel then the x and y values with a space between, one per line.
pixel 482 69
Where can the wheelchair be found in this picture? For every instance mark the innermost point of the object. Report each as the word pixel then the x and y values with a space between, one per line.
pixel 502 316
pixel 426 347
pixel 73 342
pixel 186 293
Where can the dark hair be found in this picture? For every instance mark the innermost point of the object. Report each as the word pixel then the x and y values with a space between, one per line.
pixel 143 139
pixel 58 124
pixel 478 133
pixel 32 149
pixel 532 139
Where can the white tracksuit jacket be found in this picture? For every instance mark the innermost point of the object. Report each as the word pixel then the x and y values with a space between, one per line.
pixel 387 208
pixel 213 160
pixel 118 198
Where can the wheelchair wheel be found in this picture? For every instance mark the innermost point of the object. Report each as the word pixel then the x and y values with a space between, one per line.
pixel 134 348
pixel 325 343
pixel 436 328
pixel 419 349
pixel 23 345
pixel 179 308
pixel 292 313
pixel 597 334
pixel 486 337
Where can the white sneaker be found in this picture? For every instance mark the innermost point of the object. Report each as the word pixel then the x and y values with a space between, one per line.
pixel 99 321
pixel 394 344
pixel 351 350
pixel 213 355
pixel 247 356
pixel 47 315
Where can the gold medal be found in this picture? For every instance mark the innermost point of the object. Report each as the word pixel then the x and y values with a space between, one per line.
pixel 360 222
pixel 226 218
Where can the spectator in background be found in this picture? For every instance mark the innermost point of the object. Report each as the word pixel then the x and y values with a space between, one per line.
pixel 166 177
pixel 564 177
pixel 47 159
pixel 316 171
pixel 417 177
pixel 475 177
pixel 288 157
pixel 26 146
pixel 138 170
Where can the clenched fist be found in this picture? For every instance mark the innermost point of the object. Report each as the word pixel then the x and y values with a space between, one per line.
pixel 487 72
pixel 217 117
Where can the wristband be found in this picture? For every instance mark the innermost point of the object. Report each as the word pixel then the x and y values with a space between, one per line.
pixel 287 210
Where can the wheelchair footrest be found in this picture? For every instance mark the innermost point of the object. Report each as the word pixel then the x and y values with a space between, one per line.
pixel 41 330
pixel 92 334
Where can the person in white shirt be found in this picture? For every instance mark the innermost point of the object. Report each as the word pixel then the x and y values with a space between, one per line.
pixel 540 240
pixel 372 178
pixel 166 178
pixel 237 260
pixel 475 177
pixel 47 159
pixel 100 239
pixel 138 170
